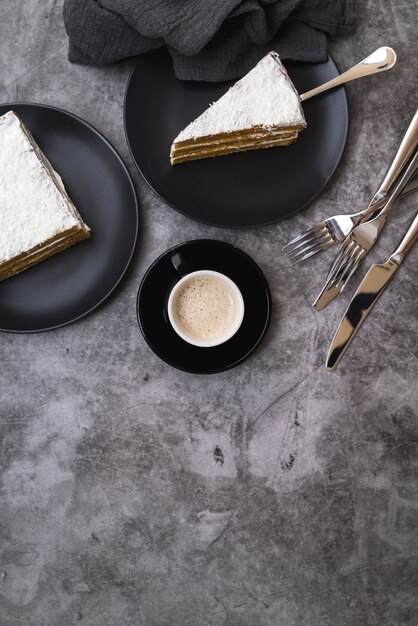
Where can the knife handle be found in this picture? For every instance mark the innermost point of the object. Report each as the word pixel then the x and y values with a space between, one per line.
pixel 407 242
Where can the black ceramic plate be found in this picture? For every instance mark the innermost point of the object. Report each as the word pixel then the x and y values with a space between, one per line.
pixel 207 254
pixel 238 190
pixel 74 282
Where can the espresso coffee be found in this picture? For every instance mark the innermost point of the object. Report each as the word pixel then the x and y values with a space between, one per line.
pixel 204 308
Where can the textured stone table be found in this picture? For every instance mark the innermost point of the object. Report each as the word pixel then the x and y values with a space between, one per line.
pixel 114 510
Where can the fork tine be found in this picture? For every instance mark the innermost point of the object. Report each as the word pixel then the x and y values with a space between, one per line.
pixel 318 242
pixel 345 268
pixel 314 247
pixel 303 243
pixel 324 247
pixel 304 246
pixel 360 256
pixel 338 261
pixel 314 229
pixel 312 243
pixel 313 239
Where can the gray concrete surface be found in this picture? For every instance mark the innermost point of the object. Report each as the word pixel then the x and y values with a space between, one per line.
pixel 113 508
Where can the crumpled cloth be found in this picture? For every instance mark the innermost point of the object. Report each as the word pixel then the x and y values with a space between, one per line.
pixel 210 40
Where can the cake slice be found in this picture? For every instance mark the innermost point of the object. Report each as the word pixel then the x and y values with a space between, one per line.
pixel 37 217
pixel 262 110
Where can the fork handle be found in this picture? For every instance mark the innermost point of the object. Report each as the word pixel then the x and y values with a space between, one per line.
pixel 378 202
pixel 400 184
pixel 380 60
pixel 410 187
pixel 405 150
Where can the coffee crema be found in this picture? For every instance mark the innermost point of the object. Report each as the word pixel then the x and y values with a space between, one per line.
pixel 205 308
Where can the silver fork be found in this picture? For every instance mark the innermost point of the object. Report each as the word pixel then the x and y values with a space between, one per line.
pixel 334 229
pixel 358 244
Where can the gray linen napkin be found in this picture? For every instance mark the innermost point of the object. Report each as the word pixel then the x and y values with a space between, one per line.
pixel 211 40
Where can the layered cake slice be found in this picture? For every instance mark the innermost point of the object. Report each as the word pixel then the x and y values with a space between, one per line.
pixel 262 110
pixel 37 217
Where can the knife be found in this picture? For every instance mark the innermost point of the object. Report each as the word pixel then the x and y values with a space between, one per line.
pixel 369 290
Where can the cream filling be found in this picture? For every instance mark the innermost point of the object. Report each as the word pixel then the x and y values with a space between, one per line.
pixel 231 148
pixel 39 253
pixel 231 140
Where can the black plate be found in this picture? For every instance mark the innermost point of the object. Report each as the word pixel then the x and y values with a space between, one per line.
pixel 74 282
pixel 207 254
pixel 238 190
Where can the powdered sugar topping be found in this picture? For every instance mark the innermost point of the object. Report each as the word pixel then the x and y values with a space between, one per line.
pixel 32 209
pixel 264 97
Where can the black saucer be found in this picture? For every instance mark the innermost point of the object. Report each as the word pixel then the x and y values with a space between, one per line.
pixel 206 254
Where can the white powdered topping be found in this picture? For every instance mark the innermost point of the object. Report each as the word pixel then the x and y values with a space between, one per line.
pixel 32 208
pixel 265 97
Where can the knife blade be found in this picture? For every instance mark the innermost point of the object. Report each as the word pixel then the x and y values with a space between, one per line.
pixel 366 296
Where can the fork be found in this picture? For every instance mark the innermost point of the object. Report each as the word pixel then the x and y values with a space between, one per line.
pixel 334 229
pixel 358 244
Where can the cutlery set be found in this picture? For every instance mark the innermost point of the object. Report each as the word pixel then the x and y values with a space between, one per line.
pixel 357 233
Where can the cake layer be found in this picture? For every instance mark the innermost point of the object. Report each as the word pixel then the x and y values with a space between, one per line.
pixel 231 148
pixel 56 244
pixel 255 132
pixel 232 139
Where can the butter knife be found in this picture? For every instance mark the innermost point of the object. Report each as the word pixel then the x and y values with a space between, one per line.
pixel 369 290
